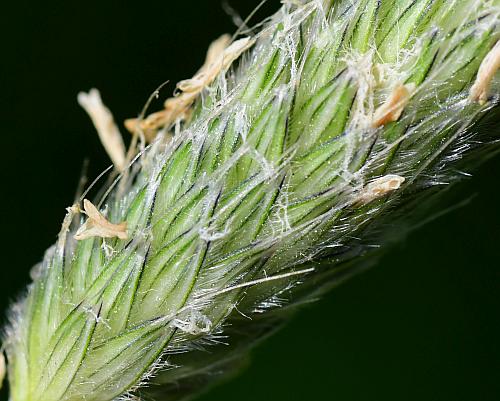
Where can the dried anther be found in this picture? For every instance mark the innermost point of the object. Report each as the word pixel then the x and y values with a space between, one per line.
pixel 104 123
pixel 379 188
pixel 392 109
pixel 97 225
pixel 220 56
pixel 2 369
pixel 68 219
pixel 486 73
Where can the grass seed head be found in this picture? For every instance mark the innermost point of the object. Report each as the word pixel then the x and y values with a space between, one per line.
pixel 269 176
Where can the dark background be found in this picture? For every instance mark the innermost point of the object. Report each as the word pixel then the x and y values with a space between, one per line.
pixel 423 325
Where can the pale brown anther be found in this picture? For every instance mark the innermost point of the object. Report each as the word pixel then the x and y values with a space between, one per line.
pixel 97 225
pixel 394 106
pixel 2 369
pixel 104 123
pixel 379 188
pixel 480 90
pixel 68 219
pixel 220 56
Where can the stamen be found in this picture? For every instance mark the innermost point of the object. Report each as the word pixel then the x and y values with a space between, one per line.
pixel 104 123
pixel 220 56
pixel 380 188
pixel 97 225
pixel 392 109
pixel 490 65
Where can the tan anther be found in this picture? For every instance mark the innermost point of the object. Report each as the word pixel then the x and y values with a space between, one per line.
pixel 2 368
pixel 394 106
pixel 72 211
pixel 220 56
pixel 97 225
pixel 104 123
pixel 480 90
pixel 150 125
pixel 217 60
pixel 380 188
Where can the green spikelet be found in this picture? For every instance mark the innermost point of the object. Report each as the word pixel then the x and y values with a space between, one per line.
pixel 264 200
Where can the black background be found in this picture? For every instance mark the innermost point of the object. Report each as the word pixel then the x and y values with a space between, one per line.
pixel 423 325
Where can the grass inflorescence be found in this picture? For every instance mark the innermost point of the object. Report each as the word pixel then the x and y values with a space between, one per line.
pixel 260 195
